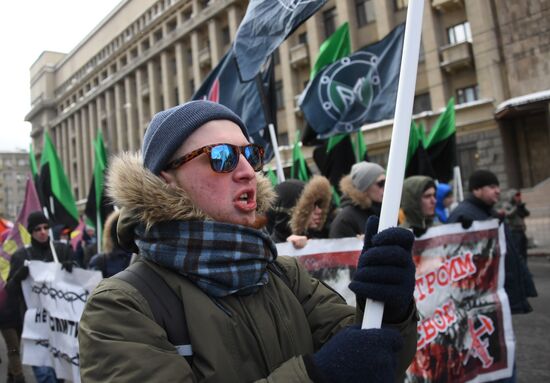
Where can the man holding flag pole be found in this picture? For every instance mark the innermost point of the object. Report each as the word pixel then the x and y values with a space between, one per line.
pixel 250 315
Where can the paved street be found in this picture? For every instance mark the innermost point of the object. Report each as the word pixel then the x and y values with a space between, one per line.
pixel 532 332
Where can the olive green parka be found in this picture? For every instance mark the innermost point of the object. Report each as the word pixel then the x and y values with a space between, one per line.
pixel 259 337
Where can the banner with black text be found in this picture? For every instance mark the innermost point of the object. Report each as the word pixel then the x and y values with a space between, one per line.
pixel 55 301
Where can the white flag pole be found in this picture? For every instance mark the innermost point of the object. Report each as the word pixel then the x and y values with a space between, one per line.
pixel 399 140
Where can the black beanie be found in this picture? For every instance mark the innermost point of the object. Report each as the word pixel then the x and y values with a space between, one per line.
pixel 481 178
pixel 34 219
pixel 170 128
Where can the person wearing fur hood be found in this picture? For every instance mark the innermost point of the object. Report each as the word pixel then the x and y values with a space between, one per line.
pixel 301 211
pixel 362 191
pixel 189 205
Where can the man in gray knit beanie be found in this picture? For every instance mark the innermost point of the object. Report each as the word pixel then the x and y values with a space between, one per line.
pixel 189 205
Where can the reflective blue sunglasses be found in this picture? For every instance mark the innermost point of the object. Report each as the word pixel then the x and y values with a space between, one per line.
pixel 224 158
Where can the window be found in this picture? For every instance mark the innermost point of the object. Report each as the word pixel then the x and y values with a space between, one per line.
pixel 192 85
pixel 468 94
pixel 189 56
pixel 302 38
pixel 329 21
pixel 400 4
pixel 279 98
pixel 157 35
pixel 459 33
pixel 422 102
pixel 364 9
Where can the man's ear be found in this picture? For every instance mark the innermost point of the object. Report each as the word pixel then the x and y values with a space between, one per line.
pixel 476 192
pixel 168 177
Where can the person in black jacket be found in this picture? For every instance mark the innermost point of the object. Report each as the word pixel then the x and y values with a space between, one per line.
pixel 479 206
pixel 363 190
pixel 39 250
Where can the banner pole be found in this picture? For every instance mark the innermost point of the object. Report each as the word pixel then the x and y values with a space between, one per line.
pixel 400 139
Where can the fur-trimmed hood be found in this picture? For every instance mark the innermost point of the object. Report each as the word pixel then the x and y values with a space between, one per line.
pixel 145 198
pixel 316 190
pixel 356 196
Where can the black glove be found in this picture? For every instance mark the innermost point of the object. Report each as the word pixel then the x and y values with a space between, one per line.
pixel 418 231
pixel 68 266
pixel 385 271
pixel 355 355
pixel 20 275
pixel 465 222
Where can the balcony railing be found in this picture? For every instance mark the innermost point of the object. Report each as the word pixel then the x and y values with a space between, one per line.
pixel 447 5
pixel 299 55
pixel 456 57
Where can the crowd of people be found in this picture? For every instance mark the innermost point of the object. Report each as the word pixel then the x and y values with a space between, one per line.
pixel 196 212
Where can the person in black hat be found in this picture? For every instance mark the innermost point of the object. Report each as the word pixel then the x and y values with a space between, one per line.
pixel 38 227
pixel 189 205
pixel 479 206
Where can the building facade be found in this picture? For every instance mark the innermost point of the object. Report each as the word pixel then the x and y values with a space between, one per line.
pixel 14 170
pixel 147 55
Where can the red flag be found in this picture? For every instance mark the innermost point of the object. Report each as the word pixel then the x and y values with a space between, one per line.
pixel 18 236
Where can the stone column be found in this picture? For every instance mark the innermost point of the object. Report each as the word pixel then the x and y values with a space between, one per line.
pixel 154 89
pixel 120 118
pixel 195 52
pixel 71 144
pixel 289 90
pixel 314 37
pixel 92 133
pixel 87 148
pixel 233 20
pixel 490 70
pixel 343 8
pixel 110 135
pixel 78 153
pixel 167 80
pixel 384 17
pixel 215 41
pixel 184 92
pixel 139 100
pixel 431 41
pixel 132 128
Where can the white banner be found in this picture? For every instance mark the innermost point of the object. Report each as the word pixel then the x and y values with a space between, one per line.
pixel 465 330
pixel 55 300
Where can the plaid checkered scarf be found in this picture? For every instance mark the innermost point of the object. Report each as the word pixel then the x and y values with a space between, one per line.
pixel 220 258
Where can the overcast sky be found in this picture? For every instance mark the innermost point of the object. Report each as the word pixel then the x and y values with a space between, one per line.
pixel 28 28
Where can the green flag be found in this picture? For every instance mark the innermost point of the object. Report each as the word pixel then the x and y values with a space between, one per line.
pixel 32 162
pixel 360 148
pixel 272 176
pixel 98 205
pixel 335 47
pixel 441 144
pixel 418 162
pixel 299 169
pixel 55 189
pixel 444 127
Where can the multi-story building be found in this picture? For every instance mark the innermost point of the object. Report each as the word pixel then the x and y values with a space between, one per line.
pixel 14 170
pixel 148 55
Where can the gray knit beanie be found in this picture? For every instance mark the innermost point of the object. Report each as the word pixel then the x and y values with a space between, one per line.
pixel 364 174
pixel 170 128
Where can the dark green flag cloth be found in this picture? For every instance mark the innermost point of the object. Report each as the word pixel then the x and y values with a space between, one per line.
pixel 55 191
pixel 98 203
pixel 299 169
pixel 418 162
pixel 441 144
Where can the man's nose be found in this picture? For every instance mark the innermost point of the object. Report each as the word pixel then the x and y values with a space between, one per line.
pixel 244 169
